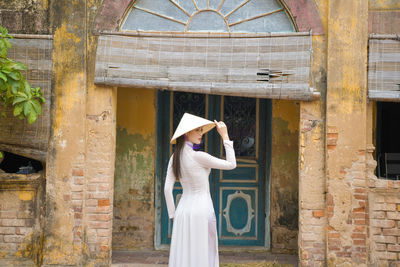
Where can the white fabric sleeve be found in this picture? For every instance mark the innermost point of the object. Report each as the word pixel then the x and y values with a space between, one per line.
pixel 208 161
pixel 168 188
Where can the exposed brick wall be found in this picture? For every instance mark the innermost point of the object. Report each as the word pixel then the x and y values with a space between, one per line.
pixel 347 242
pixel 74 197
pixel 99 177
pixel 385 227
pixel 21 213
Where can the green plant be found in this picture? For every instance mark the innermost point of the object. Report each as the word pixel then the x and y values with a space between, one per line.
pixel 14 89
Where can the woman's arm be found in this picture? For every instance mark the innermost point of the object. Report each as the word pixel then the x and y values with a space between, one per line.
pixel 168 188
pixel 208 161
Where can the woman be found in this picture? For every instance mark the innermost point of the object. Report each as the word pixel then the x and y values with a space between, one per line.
pixel 194 241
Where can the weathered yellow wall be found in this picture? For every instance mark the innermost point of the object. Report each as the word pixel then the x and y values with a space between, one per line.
pixel 133 227
pixel 284 175
pixel 80 159
pixel 67 143
pixel 346 128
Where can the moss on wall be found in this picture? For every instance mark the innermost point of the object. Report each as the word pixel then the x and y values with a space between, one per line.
pixel 21 16
pixel 134 170
pixel 284 175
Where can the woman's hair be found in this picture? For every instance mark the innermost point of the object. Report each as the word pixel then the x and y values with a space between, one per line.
pixel 176 163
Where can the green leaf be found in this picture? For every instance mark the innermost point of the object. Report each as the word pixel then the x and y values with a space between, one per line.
pixel 36 106
pixel 18 100
pixel 18 66
pixel 32 117
pixel 3 114
pixel 15 85
pixel 14 75
pixel 27 108
pixel 27 89
pixel 22 94
pixel 18 109
pixel 6 70
pixel 3 77
pixel 3 48
pixel 2 85
pixel 43 99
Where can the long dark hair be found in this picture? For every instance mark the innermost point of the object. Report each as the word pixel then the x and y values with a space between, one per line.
pixel 176 163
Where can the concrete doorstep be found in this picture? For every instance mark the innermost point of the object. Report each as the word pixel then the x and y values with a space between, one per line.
pixel 227 259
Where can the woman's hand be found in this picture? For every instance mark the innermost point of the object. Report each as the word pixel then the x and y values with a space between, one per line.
pixel 222 130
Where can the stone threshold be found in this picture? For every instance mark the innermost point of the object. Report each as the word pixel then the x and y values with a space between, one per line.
pixel 160 258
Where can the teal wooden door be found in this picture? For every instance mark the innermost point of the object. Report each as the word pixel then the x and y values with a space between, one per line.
pixel 239 195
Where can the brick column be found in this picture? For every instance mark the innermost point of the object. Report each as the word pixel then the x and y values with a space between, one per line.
pixel 312 214
pixel 100 154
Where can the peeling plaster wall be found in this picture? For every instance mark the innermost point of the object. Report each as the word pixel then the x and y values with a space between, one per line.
pixel 346 132
pixel 284 176
pixel 312 183
pixel 133 227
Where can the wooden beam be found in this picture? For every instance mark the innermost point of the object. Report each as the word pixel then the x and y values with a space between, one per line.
pixel 202 34
pixel 25 152
pixel 392 96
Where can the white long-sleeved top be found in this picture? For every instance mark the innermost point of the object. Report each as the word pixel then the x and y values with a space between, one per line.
pixel 195 169
pixel 194 240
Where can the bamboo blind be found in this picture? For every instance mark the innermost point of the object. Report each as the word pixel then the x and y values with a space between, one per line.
pixel 384 68
pixel 16 135
pixel 208 64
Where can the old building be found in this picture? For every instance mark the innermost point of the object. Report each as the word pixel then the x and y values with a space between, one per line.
pixel 307 88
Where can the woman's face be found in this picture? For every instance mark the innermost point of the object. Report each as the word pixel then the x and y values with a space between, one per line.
pixel 195 135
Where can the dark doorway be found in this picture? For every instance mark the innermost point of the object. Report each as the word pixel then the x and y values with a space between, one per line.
pixel 388 141
pixel 12 163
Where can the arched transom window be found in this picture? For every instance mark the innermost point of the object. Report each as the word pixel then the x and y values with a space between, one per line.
pixel 208 16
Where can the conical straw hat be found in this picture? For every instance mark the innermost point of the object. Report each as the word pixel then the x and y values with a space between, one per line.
pixel 190 122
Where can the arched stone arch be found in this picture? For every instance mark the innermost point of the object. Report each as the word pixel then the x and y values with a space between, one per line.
pixel 304 13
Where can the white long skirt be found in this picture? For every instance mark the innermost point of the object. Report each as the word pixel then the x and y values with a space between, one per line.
pixel 194 241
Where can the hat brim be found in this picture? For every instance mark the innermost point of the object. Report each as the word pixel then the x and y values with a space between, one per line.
pixel 206 128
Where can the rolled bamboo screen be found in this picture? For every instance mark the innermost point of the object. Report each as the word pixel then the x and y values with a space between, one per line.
pixel 207 63
pixel 18 136
pixel 384 68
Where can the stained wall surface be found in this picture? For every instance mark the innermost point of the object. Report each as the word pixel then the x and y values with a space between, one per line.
pixel 284 176
pixel 133 225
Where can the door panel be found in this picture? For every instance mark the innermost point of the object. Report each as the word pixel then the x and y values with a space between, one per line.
pixel 239 194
